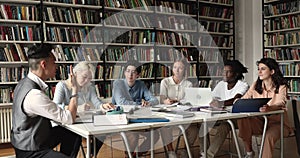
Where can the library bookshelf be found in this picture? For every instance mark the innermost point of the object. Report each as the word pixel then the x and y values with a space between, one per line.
pixel 282 39
pixel 108 33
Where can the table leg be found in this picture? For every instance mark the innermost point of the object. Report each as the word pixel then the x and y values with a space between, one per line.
pixel 263 136
pixel 205 138
pixel 88 147
pixel 235 138
pixel 126 144
pixel 152 143
pixel 185 140
pixel 281 134
pixel 94 146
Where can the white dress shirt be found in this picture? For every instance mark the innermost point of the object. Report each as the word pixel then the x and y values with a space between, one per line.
pixel 37 102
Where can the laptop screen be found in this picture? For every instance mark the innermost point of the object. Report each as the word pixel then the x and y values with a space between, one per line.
pixel 197 96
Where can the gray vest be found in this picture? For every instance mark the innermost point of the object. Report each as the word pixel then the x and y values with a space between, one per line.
pixel 28 133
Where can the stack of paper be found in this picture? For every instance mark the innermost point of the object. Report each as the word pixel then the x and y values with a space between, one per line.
pixel 107 120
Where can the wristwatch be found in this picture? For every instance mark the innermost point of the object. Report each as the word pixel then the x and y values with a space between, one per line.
pixel 74 95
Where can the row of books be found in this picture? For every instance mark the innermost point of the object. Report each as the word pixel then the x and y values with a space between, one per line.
pixel 220 1
pixel 281 8
pixel 125 54
pixel 127 19
pixel 117 72
pixel 73 34
pixel 103 90
pixel 13 52
pixel 207 83
pixel 84 2
pixel 20 33
pixel 15 12
pixel 290 69
pixel 175 7
pixel 283 22
pixel 6 94
pixel 226 55
pixel 283 38
pixel 216 41
pixel 210 70
pixel 283 53
pixel 175 39
pixel 12 74
pixel 213 26
pixel 147 71
pixel 294 85
pixel 173 54
pixel 77 53
pixel 129 4
pixel 72 15
pixel 129 37
pixel 175 22
pixel 166 54
pixel 224 13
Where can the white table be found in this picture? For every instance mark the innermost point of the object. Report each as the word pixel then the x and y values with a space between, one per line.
pixel 200 117
pixel 88 130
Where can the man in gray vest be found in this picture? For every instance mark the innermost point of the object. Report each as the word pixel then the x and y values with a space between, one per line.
pixel 32 133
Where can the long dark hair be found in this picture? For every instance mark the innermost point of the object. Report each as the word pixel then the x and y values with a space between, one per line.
pixel 237 67
pixel 277 77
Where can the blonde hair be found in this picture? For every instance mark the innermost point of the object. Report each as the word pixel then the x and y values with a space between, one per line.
pixel 84 66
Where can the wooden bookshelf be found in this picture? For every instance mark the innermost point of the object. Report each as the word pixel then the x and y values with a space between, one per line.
pixel 282 39
pixel 107 33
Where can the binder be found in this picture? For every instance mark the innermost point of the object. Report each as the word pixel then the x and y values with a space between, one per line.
pixel 144 120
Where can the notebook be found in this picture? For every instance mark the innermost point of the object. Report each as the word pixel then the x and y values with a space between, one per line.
pixel 249 105
pixel 198 97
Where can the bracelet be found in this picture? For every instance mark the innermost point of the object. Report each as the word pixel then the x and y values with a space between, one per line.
pixel 74 95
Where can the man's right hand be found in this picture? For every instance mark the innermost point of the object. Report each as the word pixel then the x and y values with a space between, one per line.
pixel 74 84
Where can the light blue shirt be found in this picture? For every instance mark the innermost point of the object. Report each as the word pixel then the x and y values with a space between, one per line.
pixel 63 93
pixel 122 94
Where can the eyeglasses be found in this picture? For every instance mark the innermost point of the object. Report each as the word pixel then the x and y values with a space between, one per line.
pixel 131 71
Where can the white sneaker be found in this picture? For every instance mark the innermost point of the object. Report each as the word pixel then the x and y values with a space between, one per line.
pixel 172 154
pixel 202 155
pixel 250 154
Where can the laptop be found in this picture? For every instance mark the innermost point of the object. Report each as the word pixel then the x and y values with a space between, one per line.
pixel 198 97
pixel 249 105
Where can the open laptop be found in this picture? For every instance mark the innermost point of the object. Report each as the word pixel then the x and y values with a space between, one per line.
pixel 249 105
pixel 198 97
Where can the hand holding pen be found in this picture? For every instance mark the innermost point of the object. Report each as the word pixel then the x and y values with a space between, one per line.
pixel 145 103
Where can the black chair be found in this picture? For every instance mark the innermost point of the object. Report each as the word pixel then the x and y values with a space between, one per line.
pixel 297 124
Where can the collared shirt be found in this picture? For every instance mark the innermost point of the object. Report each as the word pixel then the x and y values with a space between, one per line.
pixel 172 90
pixel 37 102
pixel 278 99
pixel 122 94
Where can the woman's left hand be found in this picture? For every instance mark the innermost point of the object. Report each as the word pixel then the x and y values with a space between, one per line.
pixel 265 108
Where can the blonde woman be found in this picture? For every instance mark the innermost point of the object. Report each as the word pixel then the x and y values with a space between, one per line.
pixel 87 97
pixel 172 91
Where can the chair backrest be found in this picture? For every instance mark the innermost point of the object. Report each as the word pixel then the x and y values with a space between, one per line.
pixel 296 122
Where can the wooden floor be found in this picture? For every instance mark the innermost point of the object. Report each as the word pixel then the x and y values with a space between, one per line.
pixel 118 149
pixel 108 152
